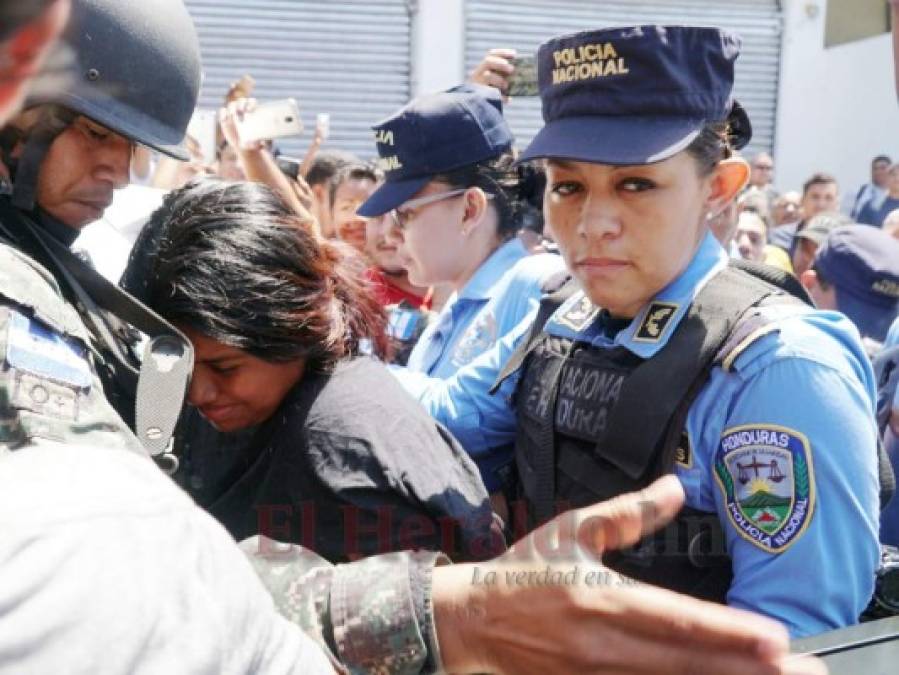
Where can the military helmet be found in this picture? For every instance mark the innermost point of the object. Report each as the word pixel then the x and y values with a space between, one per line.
pixel 138 70
pixel 137 73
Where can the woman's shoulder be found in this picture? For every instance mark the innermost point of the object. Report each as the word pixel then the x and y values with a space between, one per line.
pixel 533 270
pixel 355 397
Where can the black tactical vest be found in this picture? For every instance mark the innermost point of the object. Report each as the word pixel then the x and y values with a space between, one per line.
pixel 596 423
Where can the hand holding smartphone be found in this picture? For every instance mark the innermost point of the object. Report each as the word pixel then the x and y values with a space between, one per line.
pixel 323 126
pixel 275 119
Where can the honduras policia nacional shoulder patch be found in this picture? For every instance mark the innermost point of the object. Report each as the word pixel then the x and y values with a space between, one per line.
pixel 765 473
pixel 655 321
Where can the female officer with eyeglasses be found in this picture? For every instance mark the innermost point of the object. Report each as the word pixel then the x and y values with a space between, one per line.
pixel 662 357
pixel 453 193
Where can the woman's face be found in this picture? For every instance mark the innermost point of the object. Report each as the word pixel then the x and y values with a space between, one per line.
pixel 626 232
pixel 233 389
pixel 430 242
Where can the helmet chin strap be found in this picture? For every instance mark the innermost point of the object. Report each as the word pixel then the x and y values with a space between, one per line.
pixel 52 122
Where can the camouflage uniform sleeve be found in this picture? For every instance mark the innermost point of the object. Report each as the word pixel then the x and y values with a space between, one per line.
pixel 371 616
pixel 50 389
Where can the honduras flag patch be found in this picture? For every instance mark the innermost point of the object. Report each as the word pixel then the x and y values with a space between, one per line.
pixel 766 477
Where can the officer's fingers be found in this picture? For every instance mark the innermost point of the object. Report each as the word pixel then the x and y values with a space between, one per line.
pixel 624 520
pixel 797 664
pixel 894 421
pixel 660 614
pixel 595 646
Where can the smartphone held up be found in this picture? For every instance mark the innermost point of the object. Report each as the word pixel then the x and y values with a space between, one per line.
pixel 274 119
pixel 523 81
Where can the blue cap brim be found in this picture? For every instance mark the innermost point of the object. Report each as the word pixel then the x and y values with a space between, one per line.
pixel 613 140
pixel 873 320
pixel 390 195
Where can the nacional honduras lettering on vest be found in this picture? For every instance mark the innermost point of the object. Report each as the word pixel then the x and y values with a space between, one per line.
pixel 391 162
pixel 766 477
pixel 586 62
pixel 587 395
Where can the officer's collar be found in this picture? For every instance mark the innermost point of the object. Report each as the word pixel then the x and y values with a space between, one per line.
pixel 654 324
pixel 482 284
pixel 56 228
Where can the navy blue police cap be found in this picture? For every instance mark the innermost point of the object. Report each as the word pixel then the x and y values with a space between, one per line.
pixel 635 95
pixel 862 263
pixel 435 134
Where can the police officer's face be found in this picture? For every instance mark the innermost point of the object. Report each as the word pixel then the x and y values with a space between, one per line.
pixel 84 165
pixel 626 232
pixel 434 240
pixel 233 389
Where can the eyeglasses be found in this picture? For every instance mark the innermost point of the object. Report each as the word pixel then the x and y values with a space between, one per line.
pixel 402 216
pixel 764 167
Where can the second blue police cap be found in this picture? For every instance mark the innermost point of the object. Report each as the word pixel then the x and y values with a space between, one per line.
pixel 434 134
pixel 862 262
pixel 634 95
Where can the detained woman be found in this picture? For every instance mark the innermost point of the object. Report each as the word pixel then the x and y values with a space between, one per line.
pixel 453 195
pixel 333 454
pixel 662 357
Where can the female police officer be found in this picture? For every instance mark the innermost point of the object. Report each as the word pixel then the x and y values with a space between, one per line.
pixel 453 193
pixel 664 358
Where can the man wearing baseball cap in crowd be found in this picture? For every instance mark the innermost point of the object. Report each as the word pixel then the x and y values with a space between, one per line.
pixel 667 358
pixel 856 272
pixel 811 237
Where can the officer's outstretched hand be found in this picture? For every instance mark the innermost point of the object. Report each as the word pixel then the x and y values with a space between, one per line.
pixel 549 606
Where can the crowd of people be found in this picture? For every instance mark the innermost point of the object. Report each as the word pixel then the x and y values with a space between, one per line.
pixel 614 400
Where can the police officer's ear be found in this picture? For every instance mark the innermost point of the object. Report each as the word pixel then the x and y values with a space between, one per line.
pixel 475 200
pixel 728 178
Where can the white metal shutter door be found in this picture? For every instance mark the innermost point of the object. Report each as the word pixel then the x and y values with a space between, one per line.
pixel 524 24
pixel 348 58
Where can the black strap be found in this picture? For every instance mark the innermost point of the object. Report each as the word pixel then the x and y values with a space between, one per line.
pixel 544 500
pixel 52 122
pixel 683 363
pixel 774 276
pixel 160 384
pixel 549 303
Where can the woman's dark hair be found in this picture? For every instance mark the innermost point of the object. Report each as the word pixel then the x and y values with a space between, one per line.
pixel 712 145
pixel 232 261
pixel 513 187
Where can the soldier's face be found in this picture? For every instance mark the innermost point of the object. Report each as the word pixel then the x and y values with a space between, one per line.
pixel 83 167
pixel 626 232
pixel 233 389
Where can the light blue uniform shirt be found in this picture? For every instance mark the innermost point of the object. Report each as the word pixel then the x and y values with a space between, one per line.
pixel 502 294
pixel 801 396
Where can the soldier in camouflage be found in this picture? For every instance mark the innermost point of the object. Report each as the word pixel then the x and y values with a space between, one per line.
pixel 108 567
